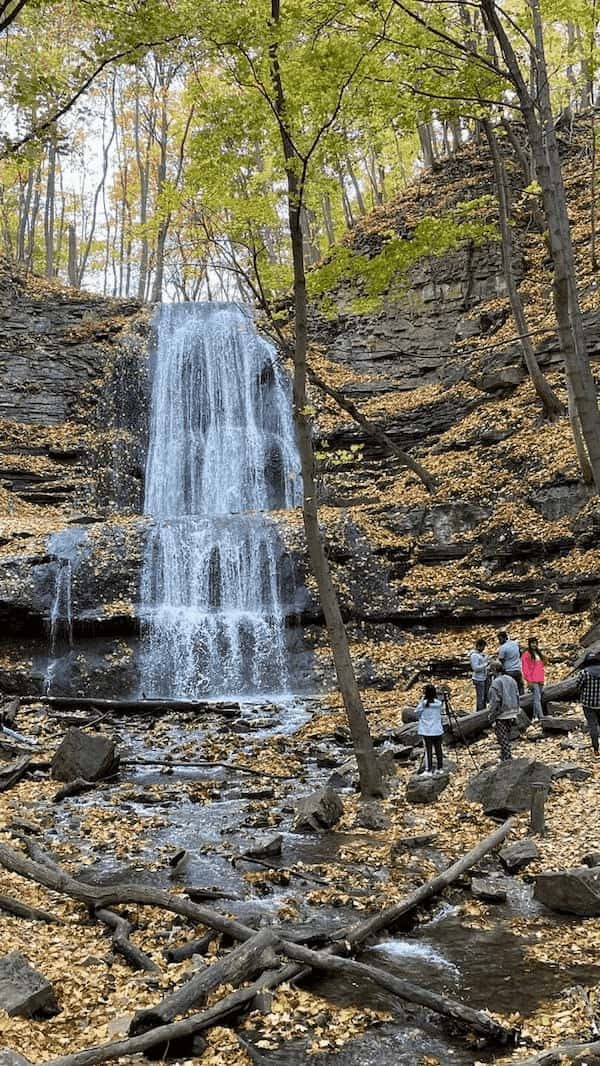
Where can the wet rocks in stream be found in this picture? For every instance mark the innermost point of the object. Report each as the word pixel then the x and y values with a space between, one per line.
pixel 82 755
pixel 317 811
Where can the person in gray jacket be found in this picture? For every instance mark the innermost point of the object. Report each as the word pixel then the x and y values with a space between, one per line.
pixel 504 707
pixel 509 654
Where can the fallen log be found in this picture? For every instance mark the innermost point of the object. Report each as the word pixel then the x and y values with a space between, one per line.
pixel 228 709
pixel 193 947
pixel 464 1016
pixel 55 878
pixel 240 964
pixel 226 1008
pixel 556 1056
pixel 13 771
pixel 389 917
pixel 562 691
pixel 122 944
pixel 19 909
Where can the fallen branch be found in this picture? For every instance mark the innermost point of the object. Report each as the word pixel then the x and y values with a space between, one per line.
pixel 230 1006
pixel 255 955
pixel 55 878
pixel 122 944
pixel 464 1016
pixel 193 947
pixel 565 690
pixel 389 917
pixel 227 708
pixel 23 910
pixel 556 1056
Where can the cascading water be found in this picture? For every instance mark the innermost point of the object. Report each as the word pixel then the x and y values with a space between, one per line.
pixel 216 581
pixel 67 547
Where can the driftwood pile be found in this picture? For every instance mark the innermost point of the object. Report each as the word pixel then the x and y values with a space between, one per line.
pixel 264 957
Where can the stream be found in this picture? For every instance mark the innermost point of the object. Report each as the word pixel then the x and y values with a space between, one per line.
pixel 216 813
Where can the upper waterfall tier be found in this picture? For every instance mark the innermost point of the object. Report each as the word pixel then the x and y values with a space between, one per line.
pixel 217 583
pixel 221 432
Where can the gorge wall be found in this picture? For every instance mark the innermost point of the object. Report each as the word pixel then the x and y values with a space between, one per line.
pixel 509 538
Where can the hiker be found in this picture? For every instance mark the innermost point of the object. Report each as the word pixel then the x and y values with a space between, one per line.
pixel 479 666
pixel 504 707
pixel 588 690
pixel 429 714
pixel 509 654
pixel 532 667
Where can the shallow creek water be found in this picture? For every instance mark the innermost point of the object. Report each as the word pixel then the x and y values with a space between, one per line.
pixel 486 967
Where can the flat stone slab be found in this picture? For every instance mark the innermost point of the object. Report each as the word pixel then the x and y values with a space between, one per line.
pixel 24 991
pixel 517 856
pixel 574 891
pixel 572 771
pixel 489 889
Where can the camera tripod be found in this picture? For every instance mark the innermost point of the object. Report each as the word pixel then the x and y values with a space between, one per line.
pixel 455 729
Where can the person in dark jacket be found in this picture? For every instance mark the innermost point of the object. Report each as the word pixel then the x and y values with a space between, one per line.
pixel 588 690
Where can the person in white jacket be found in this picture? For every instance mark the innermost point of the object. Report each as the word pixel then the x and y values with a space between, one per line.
pixel 429 715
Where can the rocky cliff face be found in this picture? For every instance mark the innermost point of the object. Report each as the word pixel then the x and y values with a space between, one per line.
pixel 508 539
pixel 73 383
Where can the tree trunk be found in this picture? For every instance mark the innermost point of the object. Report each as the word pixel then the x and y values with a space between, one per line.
pixel 566 302
pixel 551 404
pixel 368 767
pixel 49 211
pixel 72 272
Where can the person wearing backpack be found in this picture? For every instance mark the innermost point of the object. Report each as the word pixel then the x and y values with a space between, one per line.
pixel 504 707
pixel 430 727
pixel 588 691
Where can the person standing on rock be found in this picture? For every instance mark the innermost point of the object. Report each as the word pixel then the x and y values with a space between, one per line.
pixel 509 654
pixel 479 667
pixel 429 715
pixel 532 667
pixel 504 707
pixel 588 690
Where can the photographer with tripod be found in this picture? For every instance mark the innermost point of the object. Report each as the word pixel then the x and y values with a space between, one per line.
pixel 429 715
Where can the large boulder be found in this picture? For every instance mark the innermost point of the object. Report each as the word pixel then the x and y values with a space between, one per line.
pixel 507 788
pixel 570 891
pixel 421 788
pixel 82 755
pixel 24 991
pixel 319 810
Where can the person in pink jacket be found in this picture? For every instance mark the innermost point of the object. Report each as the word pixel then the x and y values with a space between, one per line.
pixel 532 667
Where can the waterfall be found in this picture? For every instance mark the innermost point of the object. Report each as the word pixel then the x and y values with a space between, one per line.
pixel 216 581
pixel 67 547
